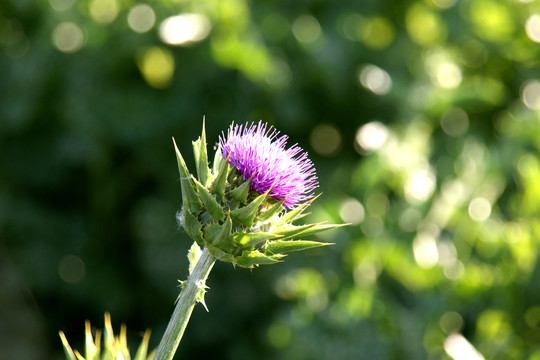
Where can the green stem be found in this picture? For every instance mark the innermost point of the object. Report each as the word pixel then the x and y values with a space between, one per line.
pixel 184 307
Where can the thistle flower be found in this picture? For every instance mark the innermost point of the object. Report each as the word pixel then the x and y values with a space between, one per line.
pixel 259 155
pixel 242 210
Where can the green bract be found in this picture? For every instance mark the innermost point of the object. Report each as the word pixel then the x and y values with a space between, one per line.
pixel 114 347
pixel 238 225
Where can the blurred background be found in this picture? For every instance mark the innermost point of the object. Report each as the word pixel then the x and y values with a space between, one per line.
pixel 422 119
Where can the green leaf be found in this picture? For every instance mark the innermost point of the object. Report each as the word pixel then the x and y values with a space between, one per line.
pixel 192 226
pixel 210 203
pixel 68 351
pixel 200 297
pixel 289 231
pixel 246 214
pixel 108 339
pixel 232 175
pixel 91 350
pixel 220 254
pixel 143 347
pixel 194 253
pixel 250 259
pixel 218 159
pixel 321 227
pixel 251 240
pixel 219 182
pixel 271 211
pixel 240 193
pixel 219 235
pixel 294 214
pixel 201 156
pixel 224 239
pixel 283 247
pixel 190 199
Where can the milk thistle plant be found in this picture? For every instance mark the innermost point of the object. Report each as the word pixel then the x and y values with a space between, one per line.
pixel 240 210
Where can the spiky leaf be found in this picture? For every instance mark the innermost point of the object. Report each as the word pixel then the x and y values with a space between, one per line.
pixel 250 259
pixel 231 175
pixel 219 182
pixel 143 347
pixel 287 246
pixel 190 199
pixel 91 349
pixel 194 253
pixel 219 235
pixel 290 231
pixel 321 227
pixel 294 214
pixel 241 192
pixel 209 201
pixel 218 159
pixel 201 156
pixel 251 240
pixel 246 215
pixel 220 254
pixel 192 226
pixel 224 239
pixel 70 355
pixel 271 211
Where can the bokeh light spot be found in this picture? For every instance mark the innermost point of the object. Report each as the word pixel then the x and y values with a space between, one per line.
pixel 479 209
pixel 491 20
pixel 141 18
pixel 104 11
pixel 306 29
pixel 424 26
pixel 425 250
pixel 451 322
pixel 352 211
pixel 473 53
pixel 279 335
pixel 532 317
pixel 528 166
pixel 379 33
pixel 532 28
pixel 61 5
pixel 419 186
pixel 375 79
pixel 459 348
pixel 275 27
pixel 372 136
pixel 68 37
pixel 444 4
pixel 455 122
pixel 530 94
pixel 71 269
pixel 184 29
pixel 279 74
pixel 409 219
pixel 325 139
pixel 353 27
pixel 449 76
pixel 157 67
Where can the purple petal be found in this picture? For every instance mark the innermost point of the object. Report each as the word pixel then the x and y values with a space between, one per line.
pixel 259 154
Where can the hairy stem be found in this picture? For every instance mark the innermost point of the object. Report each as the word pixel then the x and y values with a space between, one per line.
pixel 184 307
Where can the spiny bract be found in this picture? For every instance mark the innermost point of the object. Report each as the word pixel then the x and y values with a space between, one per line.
pixel 243 208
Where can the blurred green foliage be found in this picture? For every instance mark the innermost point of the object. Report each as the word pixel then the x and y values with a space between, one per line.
pixel 422 117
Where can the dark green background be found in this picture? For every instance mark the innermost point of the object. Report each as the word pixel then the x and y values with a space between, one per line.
pixel 448 240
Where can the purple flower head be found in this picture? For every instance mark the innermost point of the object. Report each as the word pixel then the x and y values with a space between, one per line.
pixel 260 155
